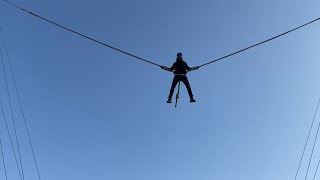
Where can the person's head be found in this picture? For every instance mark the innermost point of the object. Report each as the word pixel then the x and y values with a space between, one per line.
pixel 179 56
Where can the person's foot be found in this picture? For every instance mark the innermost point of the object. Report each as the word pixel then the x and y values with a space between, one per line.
pixel 169 101
pixel 192 100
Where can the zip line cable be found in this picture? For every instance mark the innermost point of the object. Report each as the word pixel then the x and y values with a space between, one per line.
pixel 306 143
pixel 314 144
pixel 11 142
pixel 3 161
pixel 315 174
pixel 262 42
pixel 82 35
pixel 20 104
pixel 12 116
pixel 150 62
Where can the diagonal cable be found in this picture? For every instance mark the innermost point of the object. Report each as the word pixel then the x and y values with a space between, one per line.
pixel 3 160
pixel 13 119
pixel 314 144
pixel 260 43
pixel 82 35
pixel 305 145
pixel 11 111
pixel 10 138
pixel 20 104
pixel 315 174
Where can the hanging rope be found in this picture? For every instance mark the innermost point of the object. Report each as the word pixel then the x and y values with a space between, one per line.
pixel 82 35
pixel 306 143
pixel 3 161
pixel 177 95
pixel 275 37
pixel 20 104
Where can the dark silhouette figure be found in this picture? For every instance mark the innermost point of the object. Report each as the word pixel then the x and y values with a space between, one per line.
pixel 180 69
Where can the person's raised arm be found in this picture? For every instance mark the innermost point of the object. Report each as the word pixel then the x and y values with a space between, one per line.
pixel 194 68
pixel 187 67
pixel 166 68
pixel 191 68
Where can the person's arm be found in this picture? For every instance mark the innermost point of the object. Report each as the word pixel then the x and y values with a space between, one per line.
pixel 168 69
pixel 173 67
pixel 187 67
pixel 194 68
pixel 191 68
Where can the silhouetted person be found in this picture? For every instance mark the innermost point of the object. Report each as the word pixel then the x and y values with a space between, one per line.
pixel 180 69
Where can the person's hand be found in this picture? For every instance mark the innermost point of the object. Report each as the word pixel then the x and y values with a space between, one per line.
pixel 195 68
pixel 166 68
pixel 163 67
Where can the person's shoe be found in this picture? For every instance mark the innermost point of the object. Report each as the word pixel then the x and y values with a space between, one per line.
pixel 192 100
pixel 169 101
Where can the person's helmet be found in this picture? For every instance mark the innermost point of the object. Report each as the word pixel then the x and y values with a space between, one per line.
pixel 179 54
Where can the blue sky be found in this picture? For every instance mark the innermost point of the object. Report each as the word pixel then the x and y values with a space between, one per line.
pixel 94 113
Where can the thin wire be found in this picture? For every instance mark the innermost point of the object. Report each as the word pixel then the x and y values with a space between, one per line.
pixel 275 37
pixel 11 142
pixel 80 34
pixel 305 145
pixel 3 161
pixel 314 144
pixel 12 116
pixel 20 103
pixel 315 174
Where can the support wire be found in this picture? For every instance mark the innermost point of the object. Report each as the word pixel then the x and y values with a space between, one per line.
pixel 3 160
pixel 21 107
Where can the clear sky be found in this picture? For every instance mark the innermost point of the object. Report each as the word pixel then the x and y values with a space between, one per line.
pixel 94 113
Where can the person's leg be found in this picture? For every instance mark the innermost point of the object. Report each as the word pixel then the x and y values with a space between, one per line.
pixel 173 86
pixel 187 84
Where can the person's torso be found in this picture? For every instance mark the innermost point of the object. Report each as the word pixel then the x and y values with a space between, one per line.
pixel 180 67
